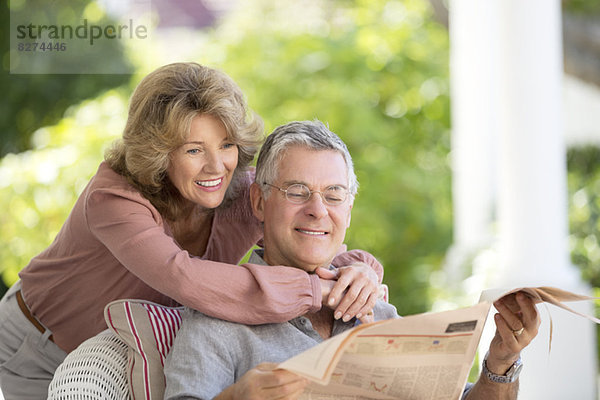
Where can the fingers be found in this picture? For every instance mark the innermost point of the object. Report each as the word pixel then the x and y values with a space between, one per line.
pixel 530 316
pixel 345 278
pixel 357 300
pixel 517 323
pixel 510 301
pixel 266 382
pixel 367 317
pixel 508 337
pixel 512 318
pixel 287 391
pixel 360 294
pixel 365 314
pixel 326 288
pixel 519 312
pixel 325 273
pixel 282 384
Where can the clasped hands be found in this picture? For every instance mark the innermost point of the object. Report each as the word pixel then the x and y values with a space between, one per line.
pixel 351 291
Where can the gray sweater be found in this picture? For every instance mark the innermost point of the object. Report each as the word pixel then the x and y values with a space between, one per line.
pixel 211 354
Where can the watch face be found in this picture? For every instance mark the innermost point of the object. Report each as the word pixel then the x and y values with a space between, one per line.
pixel 515 370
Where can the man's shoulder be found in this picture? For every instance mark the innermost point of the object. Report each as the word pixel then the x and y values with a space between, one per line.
pixel 195 321
pixel 198 327
pixel 384 310
pixel 191 316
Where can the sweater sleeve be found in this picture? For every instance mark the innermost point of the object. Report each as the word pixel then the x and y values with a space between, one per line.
pixel 132 231
pixel 359 256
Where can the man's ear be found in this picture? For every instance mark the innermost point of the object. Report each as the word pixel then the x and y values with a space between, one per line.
pixel 349 215
pixel 257 201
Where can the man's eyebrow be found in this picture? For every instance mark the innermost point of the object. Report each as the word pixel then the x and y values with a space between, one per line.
pixel 296 182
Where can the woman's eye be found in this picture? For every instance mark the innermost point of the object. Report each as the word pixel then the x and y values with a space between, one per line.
pixel 193 151
pixel 228 145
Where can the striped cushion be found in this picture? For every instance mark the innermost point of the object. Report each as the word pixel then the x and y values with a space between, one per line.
pixel 149 330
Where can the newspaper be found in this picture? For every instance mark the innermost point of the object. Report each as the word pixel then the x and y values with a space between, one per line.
pixel 419 357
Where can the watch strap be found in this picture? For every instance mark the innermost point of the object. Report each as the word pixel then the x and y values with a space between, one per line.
pixel 510 376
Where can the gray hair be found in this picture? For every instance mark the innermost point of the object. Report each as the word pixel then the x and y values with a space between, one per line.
pixel 313 135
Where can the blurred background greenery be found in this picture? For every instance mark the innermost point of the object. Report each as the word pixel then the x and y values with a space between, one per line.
pixel 375 70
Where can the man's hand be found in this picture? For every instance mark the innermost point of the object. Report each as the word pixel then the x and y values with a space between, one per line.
pixel 517 323
pixel 265 382
pixel 351 291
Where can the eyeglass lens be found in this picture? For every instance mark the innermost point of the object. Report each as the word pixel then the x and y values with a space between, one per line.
pixel 299 193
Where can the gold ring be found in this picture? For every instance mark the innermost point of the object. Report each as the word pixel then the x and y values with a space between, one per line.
pixel 518 332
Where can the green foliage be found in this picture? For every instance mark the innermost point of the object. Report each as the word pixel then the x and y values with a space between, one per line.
pixel 584 216
pixel 587 7
pixel 39 187
pixel 377 72
pixel 32 101
pixel 584 211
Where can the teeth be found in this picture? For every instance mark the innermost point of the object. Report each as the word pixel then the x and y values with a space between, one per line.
pixel 209 183
pixel 311 232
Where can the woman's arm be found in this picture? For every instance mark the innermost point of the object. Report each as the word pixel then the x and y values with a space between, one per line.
pixel 348 258
pixel 134 233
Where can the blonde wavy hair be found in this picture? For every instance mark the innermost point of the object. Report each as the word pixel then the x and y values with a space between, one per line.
pixel 160 114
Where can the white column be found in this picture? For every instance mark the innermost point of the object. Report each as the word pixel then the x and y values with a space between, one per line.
pixel 474 129
pixel 525 111
pixel 532 206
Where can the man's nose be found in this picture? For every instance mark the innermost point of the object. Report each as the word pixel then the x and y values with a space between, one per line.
pixel 315 206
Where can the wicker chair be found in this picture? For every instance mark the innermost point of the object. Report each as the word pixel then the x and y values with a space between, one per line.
pixel 96 370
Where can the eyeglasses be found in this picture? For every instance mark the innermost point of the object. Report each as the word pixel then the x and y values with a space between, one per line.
pixel 299 194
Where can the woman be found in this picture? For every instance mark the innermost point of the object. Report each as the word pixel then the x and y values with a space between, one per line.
pixel 166 218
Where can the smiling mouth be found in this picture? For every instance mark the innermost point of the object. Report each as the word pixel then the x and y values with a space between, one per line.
pixel 313 233
pixel 212 183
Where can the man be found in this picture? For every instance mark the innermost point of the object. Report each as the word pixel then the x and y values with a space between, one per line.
pixel 303 193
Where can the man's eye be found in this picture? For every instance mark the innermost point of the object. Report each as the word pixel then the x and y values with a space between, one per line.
pixel 229 145
pixel 333 198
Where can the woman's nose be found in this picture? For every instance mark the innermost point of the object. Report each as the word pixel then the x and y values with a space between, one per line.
pixel 214 163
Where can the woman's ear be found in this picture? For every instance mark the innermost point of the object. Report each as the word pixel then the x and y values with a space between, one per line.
pixel 258 202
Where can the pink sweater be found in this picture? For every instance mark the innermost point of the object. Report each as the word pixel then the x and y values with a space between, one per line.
pixel 116 245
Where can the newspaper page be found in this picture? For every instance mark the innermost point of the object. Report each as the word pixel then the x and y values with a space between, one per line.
pixel 419 357
pixel 547 294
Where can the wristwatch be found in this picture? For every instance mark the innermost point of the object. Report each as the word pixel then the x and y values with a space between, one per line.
pixel 510 376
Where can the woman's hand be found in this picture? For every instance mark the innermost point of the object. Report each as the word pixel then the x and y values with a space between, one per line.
pixel 517 323
pixel 351 291
pixel 265 382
